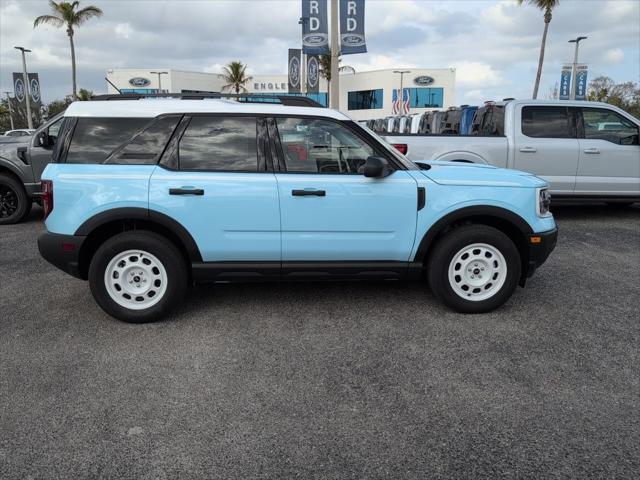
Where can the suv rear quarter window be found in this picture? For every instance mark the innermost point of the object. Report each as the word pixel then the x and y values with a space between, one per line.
pixel 94 139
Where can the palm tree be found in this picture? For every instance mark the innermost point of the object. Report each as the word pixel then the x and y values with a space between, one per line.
pixel 67 14
pixel 235 77
pixel 324 64
pixel 547 6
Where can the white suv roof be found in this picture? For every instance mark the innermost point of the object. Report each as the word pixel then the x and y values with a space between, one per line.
pixel 151 107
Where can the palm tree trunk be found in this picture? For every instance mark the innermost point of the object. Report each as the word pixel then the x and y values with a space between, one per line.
pixel 541 59
pixel 73 64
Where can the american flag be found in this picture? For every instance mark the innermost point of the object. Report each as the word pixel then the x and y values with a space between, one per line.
pixel 396 105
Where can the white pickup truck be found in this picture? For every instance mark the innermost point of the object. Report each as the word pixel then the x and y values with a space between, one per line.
pixel 586 150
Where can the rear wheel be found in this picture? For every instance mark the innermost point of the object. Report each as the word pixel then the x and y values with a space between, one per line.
pixel 15 204
pixel 137 276
pixel 474 268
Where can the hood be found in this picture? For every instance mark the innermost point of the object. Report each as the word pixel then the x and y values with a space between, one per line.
pixel 462 173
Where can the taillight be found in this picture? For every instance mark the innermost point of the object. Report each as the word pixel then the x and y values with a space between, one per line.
pixel 47 196
pixel 403 148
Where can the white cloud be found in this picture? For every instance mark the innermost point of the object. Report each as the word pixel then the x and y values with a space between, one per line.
pixel 614 56
pixel 476 74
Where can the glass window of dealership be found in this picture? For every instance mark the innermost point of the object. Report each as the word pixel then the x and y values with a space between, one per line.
pixel 363 95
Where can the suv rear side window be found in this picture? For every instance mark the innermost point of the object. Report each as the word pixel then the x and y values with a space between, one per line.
pixel 603 124
pixel 95 138
pixel 147 146
pixel 219 144
pixel 548 122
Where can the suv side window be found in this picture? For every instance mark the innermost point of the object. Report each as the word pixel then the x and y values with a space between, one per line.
pixel 95 138
pixel 312 145
pixel 147 146
pixel 548 122
pixel 219 144
pixel 603 124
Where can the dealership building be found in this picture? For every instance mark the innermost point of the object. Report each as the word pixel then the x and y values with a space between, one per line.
pixel 363 95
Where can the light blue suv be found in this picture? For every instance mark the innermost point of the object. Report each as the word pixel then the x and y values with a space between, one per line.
pixel 146 196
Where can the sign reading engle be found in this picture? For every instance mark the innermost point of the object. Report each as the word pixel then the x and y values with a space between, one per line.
pixel 315 28
pixel 423 80
pixel 352 27
pixel 294 70
pixel 139 82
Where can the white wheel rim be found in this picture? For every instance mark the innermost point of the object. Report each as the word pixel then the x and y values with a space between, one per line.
pixel 135 279
pixel 477 272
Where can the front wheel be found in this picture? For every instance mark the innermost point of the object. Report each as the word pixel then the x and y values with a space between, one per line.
pixel 137 276
pixel 15 204
pixel 474 268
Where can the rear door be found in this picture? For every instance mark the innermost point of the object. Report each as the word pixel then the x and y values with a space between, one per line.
pixel 609 154
pixel 331 212
pixel 546 145
pixel 213 180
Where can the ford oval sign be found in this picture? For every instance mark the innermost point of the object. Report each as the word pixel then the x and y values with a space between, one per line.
pixel 315 40
pixel 423 80
pixel 139 82
pixel 353 40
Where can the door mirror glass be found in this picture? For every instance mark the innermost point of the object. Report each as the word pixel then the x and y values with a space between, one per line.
pixel 376 167
pixel 42 139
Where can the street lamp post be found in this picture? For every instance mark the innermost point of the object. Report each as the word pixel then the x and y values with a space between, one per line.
pixel 159 79
pixel 25 78
pixel 401 92
pixel 574 71
pixel 334 87
pixel 10 110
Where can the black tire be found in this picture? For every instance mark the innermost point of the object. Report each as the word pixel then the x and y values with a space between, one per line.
pixel 450 245
pixel 151 243
pixel 15 204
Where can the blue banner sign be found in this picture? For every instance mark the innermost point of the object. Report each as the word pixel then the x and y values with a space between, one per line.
pixel 581 81
pixel 352 27
pixel 315 29
pixel 294 70
pixel 565 83
pixel 313 73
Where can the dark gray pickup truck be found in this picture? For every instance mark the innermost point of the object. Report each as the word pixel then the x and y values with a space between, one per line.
pixel 22 161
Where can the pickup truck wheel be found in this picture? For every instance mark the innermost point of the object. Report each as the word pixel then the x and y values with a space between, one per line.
pixel 137 276
pixel 474 268
pixel 15 204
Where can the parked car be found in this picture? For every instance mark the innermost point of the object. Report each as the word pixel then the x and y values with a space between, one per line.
pixel 451 121
pixel 20 132
pixel 585 150
pixel 466 119
pixel 145 197
pixel 22 160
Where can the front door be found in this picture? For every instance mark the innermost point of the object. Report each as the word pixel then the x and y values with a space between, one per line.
pixel 547 146
pixel 609 154
pixel 213 181
pixel 40 156
pixel 331 212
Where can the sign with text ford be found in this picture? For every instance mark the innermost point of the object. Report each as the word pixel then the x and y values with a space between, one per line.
pixel 294 70
pixel 139 82
pixel 352 27
pixel 315 29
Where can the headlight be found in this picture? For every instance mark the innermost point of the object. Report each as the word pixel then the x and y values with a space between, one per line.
pixel 544 202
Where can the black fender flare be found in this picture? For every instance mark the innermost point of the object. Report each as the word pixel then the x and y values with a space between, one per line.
pixel 475 211
pixel 134 213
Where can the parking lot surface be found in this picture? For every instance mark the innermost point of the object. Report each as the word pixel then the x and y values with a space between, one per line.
pixel 340 380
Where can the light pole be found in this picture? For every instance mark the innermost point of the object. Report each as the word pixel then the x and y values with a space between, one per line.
pixel 574 72
pixel 401 93
pixel 303 60
pixel 10 109
pixel 159 79
pixel 25 78
pixel 334 87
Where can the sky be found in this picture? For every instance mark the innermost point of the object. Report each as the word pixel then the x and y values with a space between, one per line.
pixel 494 45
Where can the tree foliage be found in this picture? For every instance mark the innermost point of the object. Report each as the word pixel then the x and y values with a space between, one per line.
pixel 623 95
pixel 235 76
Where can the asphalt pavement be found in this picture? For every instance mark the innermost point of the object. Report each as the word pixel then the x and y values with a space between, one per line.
pixel 335 380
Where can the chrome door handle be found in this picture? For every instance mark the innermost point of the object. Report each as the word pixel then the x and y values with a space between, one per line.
pixel 591 150
pixel 528 150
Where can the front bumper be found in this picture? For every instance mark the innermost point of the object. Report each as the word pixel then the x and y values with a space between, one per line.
pixel 540 247
pixel 62 251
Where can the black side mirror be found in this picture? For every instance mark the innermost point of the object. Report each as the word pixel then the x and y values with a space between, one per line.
pixel 42 139
pixel 376 167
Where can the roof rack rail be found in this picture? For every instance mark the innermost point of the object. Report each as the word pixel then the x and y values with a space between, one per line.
pixel 288 100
